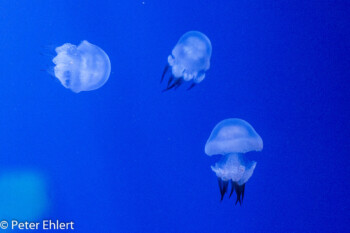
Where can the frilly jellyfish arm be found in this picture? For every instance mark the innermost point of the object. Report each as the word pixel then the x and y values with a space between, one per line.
pixel 237 170
pixel 83 68
pixel 189 60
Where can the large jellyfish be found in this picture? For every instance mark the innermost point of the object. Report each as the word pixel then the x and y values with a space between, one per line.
pixel 189 60
pixel 232 138
pixel 81 68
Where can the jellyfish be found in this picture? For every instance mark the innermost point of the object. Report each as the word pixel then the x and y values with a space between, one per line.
pixel 189 60
pixel 232 138
pixel 85 67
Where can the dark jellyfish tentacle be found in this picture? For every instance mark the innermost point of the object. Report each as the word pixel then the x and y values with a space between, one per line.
pixel 220 182
pixel 170 84
pixel 243 188
pixel 192 86
pixel 178 83
pixel 238 199
pixel 174 85
pixel 164 72
pixel 223 187
pixel 232 188
pixel 170 80
pixel 239 192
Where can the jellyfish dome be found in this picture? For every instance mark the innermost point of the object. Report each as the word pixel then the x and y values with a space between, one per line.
pixel 232 138
pixel 189 60
pixel 81 68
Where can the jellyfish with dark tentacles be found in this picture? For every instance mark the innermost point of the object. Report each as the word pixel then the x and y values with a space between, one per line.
pixel 189 60
pixel 232 138
pixel 81 68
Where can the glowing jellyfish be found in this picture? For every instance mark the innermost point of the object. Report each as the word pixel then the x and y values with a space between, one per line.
pixel 232 138
pixel 23 196
pixel 189 60
pixel 83 68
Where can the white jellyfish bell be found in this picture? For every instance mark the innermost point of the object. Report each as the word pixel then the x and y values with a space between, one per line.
pixel 81 68
pixel 189 60
pixel 232 138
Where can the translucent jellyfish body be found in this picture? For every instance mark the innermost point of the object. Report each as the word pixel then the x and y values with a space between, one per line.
pixel 234 167
pixel 189 60
pixel 81 68
pixel 232 138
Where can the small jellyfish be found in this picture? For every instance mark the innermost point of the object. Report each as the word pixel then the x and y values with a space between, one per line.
pixel 232 138
pixel 189 60
pixel 83 68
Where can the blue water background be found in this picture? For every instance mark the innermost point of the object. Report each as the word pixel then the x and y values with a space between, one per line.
pixel 128 158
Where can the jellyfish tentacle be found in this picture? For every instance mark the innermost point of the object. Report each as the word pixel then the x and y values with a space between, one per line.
pixel 169 85
pixel 170 80
pixel 243 188
pixel 174 85
pixel 164 72
pixel 239 192
pixel 178 83
pixel 223 187
pixel 238 200
pixel 192 86
pixel 232 188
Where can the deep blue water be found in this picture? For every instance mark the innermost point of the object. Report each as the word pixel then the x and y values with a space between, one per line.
pixel 128 158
